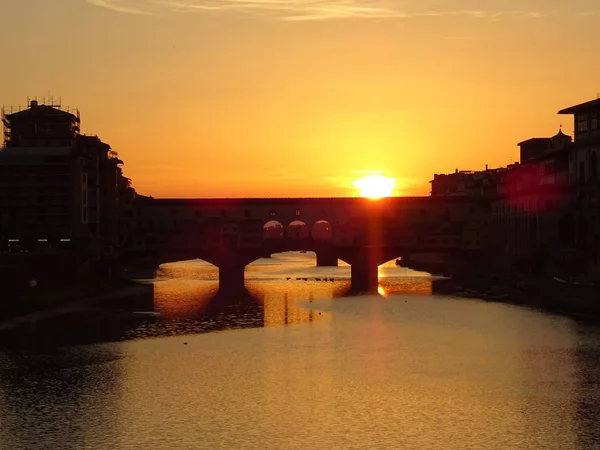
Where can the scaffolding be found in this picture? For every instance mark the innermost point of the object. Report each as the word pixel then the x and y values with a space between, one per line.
pixel 52 102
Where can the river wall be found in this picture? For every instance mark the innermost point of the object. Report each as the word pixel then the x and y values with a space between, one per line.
pixel 33 282
pixel 541 292
pixel 531 283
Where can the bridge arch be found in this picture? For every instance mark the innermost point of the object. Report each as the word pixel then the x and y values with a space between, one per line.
pixel 273 230
pixel 297 230
pixel 322 231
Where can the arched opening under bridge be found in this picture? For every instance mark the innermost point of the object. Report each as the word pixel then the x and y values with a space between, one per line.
pixel 322 231
pixel 297 230
pixel 273 230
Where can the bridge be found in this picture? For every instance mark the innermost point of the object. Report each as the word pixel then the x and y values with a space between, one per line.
pixel 232 233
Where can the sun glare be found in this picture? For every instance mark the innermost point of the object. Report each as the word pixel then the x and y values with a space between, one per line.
pixel 375 186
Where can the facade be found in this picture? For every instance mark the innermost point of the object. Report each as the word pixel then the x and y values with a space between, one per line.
pixel 533 196
pixel 60 191
pixel 466 183
pixel 584 216
pixel 528 201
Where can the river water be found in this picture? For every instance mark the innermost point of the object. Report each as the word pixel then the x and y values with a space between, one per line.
pixel 301 364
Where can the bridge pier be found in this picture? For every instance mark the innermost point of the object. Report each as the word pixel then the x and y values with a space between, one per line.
pixel 364 276
pixel 364 263
pixel 231 276
pixel 327 258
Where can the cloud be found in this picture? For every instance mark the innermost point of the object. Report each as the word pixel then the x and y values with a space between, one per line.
pixel 299 10
pixel 122 6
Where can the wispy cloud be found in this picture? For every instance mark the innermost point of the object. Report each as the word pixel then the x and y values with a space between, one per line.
pixel 122 6
pixel 297 10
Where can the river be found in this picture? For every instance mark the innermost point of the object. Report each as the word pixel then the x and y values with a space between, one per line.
pixel 301 364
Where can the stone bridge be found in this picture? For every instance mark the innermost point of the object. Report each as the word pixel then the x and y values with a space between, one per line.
pixel 231 233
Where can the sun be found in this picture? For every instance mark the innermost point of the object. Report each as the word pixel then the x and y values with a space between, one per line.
pixel 375 186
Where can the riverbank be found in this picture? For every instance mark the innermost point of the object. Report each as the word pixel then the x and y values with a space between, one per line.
pixel 22 302
pixel 542 293
pixel 101 316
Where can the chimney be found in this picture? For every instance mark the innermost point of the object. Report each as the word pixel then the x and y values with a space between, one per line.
pixel 33 104
pixel 486 167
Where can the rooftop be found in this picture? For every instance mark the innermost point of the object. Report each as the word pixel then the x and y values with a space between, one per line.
pixel 536 140
pixel 35 110
pixel 592 104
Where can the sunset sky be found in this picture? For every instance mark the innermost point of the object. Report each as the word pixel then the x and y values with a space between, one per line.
pixel 269 98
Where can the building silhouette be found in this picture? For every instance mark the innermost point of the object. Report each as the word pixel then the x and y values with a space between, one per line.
pixel 60 191
pixel 545 208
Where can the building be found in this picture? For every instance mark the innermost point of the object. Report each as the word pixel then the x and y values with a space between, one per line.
pixel 60 191
pixel 466 183
pixel 582 222
pixel 529 201
pixel 533 196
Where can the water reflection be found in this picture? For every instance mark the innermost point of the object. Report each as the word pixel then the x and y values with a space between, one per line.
pixel 587 390
pixel 192 306
pixel 186 299
pixel 402 369
pixel 70 397
pixel 285 303
pixel 100 320
pixel 188 307
pixel 406 286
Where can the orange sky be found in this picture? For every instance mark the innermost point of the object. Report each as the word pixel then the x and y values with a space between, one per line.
pixel 232 98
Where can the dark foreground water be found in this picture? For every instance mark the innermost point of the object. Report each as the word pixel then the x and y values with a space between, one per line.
pixel 294 364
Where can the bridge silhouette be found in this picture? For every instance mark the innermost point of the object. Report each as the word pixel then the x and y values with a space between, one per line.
pixel 232 233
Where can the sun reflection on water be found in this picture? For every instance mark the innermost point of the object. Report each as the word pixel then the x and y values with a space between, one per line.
pixel 278 292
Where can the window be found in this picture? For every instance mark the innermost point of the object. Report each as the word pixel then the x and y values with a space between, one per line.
pixel 593 166
pixel 582 123
pixel 272 213
pixel 297 212
pixel 581 172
